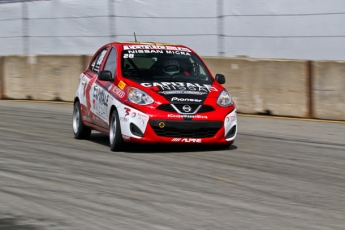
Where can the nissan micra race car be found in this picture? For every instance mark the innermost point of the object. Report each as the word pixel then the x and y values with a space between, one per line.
pixel 153 93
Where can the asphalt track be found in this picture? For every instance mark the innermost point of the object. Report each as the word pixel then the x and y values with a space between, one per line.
pixel 280 174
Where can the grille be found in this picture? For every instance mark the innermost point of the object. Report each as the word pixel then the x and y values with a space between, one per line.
pixel 205 109
pixel 166 107
pixel 169 108
pixel 193 107
pixel 192 129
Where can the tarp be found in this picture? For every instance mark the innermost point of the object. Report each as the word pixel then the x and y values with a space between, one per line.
pixel 294 29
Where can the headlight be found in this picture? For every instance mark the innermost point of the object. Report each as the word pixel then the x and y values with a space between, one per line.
pixel 138 96
pixel 224 99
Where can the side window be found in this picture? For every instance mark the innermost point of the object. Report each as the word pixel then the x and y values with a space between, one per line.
pixel 96 63
pixel 111 62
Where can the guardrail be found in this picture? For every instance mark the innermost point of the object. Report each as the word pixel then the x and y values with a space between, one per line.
pixel 293 88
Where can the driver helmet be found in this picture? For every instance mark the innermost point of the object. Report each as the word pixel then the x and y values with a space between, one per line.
pixel 171 67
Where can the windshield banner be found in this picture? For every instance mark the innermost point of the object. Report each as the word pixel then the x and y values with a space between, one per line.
pixel 181 87
pixel 149 47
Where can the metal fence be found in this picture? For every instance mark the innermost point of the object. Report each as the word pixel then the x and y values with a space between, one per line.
pixel 297 29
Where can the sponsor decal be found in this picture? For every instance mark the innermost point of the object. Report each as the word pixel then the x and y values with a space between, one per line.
pixel 100 101
pixel 121 85
pixel 135 116
pixel 182 92
pixel 204 88
pixel 185 99
pixel 177 52
pixel 127 111
pixel 118 92
pixel 176 140
pixel 123 119
pixel 230 117
pixel 187 116
pixel 187 140
pixel 132 52
pixel 161 125
pixel 144 116
pixel 150 47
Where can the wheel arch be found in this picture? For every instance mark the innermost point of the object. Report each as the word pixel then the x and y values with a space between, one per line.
pixel 113 107
pixel 118 143
pixel 75 100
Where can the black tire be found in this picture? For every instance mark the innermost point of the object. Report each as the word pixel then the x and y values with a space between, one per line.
pixel 115 135
pixel 79 129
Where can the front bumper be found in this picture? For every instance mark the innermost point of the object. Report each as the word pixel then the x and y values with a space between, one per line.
pixel 222 129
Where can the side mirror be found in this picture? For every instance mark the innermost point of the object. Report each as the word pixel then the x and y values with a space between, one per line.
pixel 105 76
pixel 220 78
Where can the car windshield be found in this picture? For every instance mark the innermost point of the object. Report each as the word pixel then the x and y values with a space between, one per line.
pixel 163 65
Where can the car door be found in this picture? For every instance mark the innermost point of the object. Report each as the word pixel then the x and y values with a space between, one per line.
pixel 100 97
pixel 88 81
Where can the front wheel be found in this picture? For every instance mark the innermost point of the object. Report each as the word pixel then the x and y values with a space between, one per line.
pixel 79 129
pixel 115 136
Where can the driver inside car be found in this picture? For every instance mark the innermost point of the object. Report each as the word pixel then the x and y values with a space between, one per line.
pixel 172 67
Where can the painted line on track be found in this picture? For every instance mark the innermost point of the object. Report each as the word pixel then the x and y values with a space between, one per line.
pixel 239 114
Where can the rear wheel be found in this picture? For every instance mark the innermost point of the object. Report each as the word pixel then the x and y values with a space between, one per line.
pixel 115 136
pixel 79 129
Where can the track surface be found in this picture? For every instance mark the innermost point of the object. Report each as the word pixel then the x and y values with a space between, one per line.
pixel 280 174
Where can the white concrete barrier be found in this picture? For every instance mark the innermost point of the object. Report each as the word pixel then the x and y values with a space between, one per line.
pixel 277 87
pixel 329 90
pixel 42 77
pixel 1 77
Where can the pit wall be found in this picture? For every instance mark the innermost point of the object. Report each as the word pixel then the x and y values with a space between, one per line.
pixel 293 88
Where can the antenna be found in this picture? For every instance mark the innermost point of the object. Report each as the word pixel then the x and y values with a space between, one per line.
pixel 135 37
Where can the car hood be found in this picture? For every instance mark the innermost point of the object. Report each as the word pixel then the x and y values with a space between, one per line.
pixel 184 92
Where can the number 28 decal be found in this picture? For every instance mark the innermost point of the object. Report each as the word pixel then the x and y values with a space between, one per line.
pixel 128 56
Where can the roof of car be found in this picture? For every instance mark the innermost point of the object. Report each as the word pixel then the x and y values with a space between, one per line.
pixel 149 43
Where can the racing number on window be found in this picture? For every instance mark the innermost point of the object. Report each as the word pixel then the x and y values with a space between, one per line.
pixel 128 56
